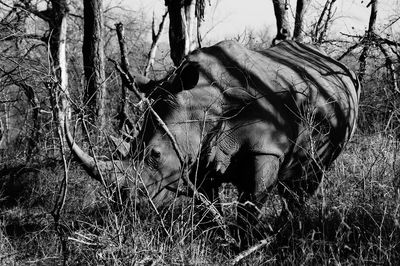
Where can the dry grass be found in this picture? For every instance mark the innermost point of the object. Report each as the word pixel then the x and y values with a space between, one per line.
pixel 357 225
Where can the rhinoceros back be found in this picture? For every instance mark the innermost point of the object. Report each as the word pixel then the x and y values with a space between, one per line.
pixel 311 98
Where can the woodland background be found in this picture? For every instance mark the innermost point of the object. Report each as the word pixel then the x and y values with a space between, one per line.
pixel 56 58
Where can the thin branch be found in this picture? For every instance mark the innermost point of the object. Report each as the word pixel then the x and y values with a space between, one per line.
pixel 387 41
pixel 352 35
pixel 121 40
pixel 83 242
pixel 247 252
pixel 45 14
pixel 394 50
pixel 154 44
pixel 75 15
pixel 328 18
pixel 125 66
pixel 318 25
pixel 126 78
pixel 25 36
pixel 349 50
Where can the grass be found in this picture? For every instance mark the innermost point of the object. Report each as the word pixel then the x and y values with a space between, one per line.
pixel 353 219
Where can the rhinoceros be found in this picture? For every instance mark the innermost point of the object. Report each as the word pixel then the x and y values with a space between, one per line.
pixel 256 119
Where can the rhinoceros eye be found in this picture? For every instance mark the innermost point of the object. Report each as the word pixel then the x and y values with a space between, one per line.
pixel 156 154
pixel 154 158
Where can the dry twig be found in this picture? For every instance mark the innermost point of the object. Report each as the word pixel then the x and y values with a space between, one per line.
pixel 247 252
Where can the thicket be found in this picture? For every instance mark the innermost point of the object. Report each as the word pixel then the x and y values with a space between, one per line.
pixel 353 219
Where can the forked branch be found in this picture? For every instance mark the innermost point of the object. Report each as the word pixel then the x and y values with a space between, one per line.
pixel 155 40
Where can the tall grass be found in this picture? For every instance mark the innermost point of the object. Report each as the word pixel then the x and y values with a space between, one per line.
pixel 353 219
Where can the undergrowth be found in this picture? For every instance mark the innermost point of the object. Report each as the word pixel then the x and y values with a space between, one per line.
pixel 353 219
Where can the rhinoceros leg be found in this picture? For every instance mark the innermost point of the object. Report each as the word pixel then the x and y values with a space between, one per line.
pixel 300 183
pixel 256 178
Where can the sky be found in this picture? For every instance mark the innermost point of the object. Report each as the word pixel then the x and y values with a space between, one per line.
pixel 229 18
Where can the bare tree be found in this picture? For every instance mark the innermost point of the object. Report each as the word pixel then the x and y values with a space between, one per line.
pixel 320 28
pixel 93 61
pixel 371 39
pixel 56 82
pixel 54 39
pixel 369 36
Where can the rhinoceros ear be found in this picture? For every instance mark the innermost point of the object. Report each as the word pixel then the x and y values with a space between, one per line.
pixel 144 84
pixel 189 76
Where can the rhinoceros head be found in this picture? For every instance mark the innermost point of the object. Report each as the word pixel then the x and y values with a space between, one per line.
pixel 162 153
pixel 172 132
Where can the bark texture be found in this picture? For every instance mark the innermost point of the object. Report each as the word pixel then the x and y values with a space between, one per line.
pixel 301 7
pixel 282 20
pixel 368 39
pixel 93 61
pixel 183 26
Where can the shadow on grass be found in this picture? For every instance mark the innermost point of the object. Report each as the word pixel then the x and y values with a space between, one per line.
pixel 359 234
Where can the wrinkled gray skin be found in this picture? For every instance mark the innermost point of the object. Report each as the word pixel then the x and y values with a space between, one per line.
pixel 255 119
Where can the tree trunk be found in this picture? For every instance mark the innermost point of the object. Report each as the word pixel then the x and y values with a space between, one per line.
pixel 125 66
pixel 35 105
pixel 93 61
pixel 282 20
pixel 329 15
pixel 301 7
pixel 176 31
pixel 191 26
pixel 318 26
pixel 390 59
pixel 368 39
pixel 59 90
pixel 182 28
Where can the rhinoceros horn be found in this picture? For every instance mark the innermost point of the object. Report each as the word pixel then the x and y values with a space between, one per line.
pixel 97 169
